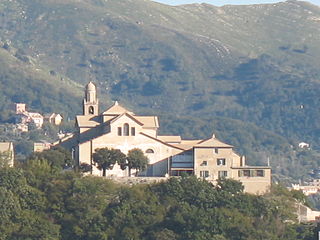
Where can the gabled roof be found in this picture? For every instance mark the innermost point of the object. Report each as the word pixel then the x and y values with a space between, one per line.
pixel 133 118
pixel 213 142
pixel 58 115
pixel 49 115
pixel 116 109
pixel 158 140
pixel 148 121
pixel 187 144
pixel 87 121
pixel 52 115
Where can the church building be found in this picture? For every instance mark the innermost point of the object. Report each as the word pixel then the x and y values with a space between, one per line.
pixel 119 128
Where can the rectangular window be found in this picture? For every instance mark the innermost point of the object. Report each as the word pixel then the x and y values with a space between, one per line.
pixel 260 173
pixel 204 174
pixel 119 131
pixel 204 163
pixel 247 173
pixel 251 173
pixel 223 174
pixel 133 131
pixel 221 161
pixel 244 173
pixel 216 150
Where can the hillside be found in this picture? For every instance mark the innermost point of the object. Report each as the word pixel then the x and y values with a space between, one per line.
pixel 258 64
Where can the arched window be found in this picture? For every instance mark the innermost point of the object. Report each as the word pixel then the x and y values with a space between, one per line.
pixel 91 110
pixel 149 150
pixel 126 129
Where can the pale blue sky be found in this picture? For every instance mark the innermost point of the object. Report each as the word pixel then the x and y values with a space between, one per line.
pixel 224 2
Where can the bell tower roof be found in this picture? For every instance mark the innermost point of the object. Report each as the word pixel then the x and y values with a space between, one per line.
pixel 91 87
pixel 90 101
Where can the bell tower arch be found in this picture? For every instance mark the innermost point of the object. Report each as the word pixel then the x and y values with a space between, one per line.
pixel 90 101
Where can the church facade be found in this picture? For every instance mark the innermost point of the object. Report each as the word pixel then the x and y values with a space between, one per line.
pixel 122 129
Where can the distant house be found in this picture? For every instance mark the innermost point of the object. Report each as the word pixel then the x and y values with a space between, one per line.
pixel 22 127
pixel 37 119
pixel 306 190
pixel 41 146
pixel 23 117
pixel 6 153
pixel 29 117
pixel 306 214
pixel 304 145
pixel 53 118
pixel 20 107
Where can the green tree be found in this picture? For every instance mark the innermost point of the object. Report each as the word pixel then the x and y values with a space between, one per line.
pixel 164 234
pixel 230 186
pixel 23 209
pixel 85 167
pixel 39 173
pixel 136 160
pixel 135 212
pixel 84 207
pixel 57 157
pixel 106 158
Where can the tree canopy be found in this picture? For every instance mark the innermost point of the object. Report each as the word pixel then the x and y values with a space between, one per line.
pixel 106 158
pixel 57 157
pixel 39 202
pixel 137 160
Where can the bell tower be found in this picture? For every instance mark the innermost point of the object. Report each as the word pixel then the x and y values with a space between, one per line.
pixel 90 101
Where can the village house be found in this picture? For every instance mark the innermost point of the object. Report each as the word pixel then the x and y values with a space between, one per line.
pixel 306 214
pixel 41 146
pixel 53 118
pixel 20 107
pixel 23 118
pixel 29 117
pixel 122 129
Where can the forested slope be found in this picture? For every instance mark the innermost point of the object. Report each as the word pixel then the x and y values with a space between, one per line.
pixel 39 201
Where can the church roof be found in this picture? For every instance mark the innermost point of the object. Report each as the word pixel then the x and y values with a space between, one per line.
pixel 116 109
pixel 187 144
pixel 129 116
pixel 213 142
pixel 158 140
pixel 170 139
pixel 87 121
pixel 148 121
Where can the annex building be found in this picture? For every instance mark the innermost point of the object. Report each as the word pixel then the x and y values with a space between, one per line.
pixel 122 129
